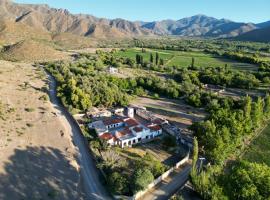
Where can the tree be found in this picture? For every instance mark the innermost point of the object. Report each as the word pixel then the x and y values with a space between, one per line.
pixel 258 112
pixel 249 181
pixel 141 179
pixel 157 58
pixel 169 141
pixel 161 61
pixel 248 107
pixel 267 106
pixel 192 62
pixel 151 58
pixel 195 154
pixel 117 183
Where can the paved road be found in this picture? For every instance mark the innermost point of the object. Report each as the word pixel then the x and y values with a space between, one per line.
pixel 169 186
pixel 92 184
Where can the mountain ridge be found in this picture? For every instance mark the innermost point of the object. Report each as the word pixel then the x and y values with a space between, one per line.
pixel 52 20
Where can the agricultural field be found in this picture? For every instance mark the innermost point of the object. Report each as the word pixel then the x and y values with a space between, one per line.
pixel 183 59
pixel 259 150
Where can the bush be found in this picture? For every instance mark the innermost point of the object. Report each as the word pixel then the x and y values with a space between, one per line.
pixel 29 109
pixel 169 141
pixel 141 179
pixel 156 96
pixel 117 183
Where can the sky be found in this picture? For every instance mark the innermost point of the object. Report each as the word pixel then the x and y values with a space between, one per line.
pixel 255 11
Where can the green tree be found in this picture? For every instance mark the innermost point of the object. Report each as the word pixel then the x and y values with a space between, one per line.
pixel 195 155
pixel 161 61
pixel 248 107
pixel 257 115
pixel 151 58
pixel 157 58
pixel 117 183
pixel 267 106
pixel 141 179
pixel 249 181
pixel 192 63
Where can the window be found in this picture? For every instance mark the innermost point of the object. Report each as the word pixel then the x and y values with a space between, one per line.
pixel 139 139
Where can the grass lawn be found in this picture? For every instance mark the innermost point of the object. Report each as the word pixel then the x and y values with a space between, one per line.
pixel 183 59
pixel 259 150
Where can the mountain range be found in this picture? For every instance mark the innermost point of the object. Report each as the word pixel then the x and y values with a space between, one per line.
pixel 28 20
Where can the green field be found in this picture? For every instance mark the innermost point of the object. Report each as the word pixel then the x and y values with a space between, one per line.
pixel 183 59
pixel 259 150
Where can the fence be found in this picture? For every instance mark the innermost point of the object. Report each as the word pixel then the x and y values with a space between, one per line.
pixel 157 180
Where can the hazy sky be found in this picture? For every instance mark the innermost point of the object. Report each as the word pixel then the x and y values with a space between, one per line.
pixel 150 10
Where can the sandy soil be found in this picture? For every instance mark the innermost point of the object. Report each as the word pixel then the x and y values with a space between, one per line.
pixel 90 50
pixel 37 158
pixel 175 111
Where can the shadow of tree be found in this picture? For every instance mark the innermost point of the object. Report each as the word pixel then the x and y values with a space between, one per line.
pixel 39 173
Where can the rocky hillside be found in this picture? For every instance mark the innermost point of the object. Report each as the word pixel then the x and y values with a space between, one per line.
pixel 199 25
pixel 26 20
pixel 30 50
pixel 47 19
pixel 259 35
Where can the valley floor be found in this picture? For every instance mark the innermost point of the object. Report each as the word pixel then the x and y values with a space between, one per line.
pixel 38 160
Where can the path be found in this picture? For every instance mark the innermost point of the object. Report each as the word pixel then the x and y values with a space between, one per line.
pixel 93 186
pixel 169 186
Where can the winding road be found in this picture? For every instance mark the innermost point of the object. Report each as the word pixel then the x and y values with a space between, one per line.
pixel 88 171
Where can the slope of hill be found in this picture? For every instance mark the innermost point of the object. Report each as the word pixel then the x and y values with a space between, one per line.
pixel 30 50
pixel 46 19
pixel 263 24
pixel 199 25
pixel 259 35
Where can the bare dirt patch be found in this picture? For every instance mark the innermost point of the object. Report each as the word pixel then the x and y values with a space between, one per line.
pixel 175 111
pixel 37 162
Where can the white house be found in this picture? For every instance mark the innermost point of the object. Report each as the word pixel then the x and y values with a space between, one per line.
pixel 113 70
pixel 125 132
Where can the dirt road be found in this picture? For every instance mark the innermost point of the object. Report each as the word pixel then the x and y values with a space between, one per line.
pixel 88 170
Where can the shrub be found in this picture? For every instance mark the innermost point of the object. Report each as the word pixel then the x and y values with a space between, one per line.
pixel 141 179
pixel 117 183
pixel 169 141
pixel 29 109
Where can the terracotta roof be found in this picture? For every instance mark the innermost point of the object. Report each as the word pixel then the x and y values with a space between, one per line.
pixel 138 129
pixel 108 122
pixel 106 136
pixel 131 122
pixel 123 132
pixel 154 127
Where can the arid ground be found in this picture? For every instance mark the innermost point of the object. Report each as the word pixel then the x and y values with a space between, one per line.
pixel 175 111
pixel 37 157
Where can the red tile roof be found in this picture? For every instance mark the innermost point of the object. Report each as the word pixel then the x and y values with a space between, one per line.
pixel 106 136
pixel 108 122
pixel 123 132
pixel 138 129
pixel 154 127
pixel 131 122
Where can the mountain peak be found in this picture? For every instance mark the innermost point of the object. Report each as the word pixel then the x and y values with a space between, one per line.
pixel 51 20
